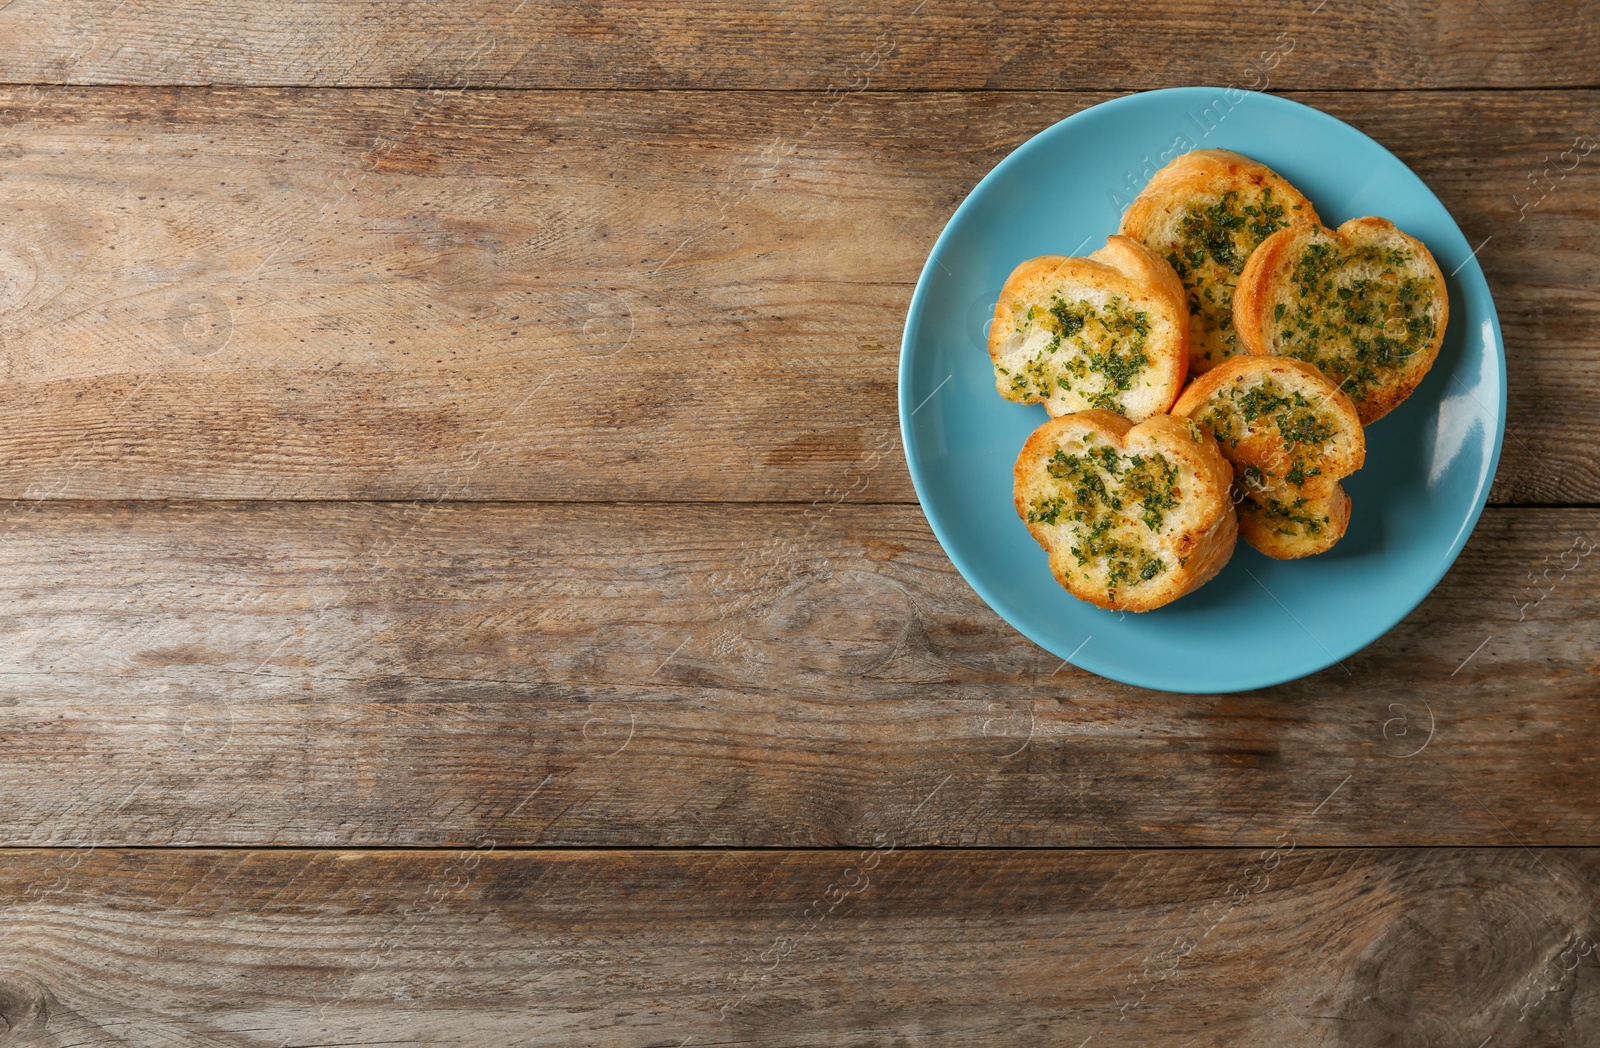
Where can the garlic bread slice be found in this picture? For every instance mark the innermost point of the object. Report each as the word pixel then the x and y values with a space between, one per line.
pixel 1291 436
pixel 1286 523
pixel 1365 303
pixel 1107 331
pixel 1205 212
pixel 1132 516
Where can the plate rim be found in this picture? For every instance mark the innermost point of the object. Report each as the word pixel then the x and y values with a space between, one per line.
pixel 1469 524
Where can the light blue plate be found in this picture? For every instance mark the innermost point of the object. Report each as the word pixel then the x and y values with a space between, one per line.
pixel 1260 622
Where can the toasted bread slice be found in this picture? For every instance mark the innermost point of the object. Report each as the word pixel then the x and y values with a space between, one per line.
pixel 1365 303
pixel 1107 331
pixel 1133 517
pixel 1205 213
pixel 1285 523
pixel 1291 436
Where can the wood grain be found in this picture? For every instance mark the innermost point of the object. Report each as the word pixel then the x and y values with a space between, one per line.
pixel 289 755
pixel 893 44
pixel 879 945
pixel 386 675
pixel 678 296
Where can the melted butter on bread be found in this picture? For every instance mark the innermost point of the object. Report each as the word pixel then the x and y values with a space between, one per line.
pixel 1291 436
pixel 1205 213
pixel 1132 516
pixel 1365 304
pixel 1108 331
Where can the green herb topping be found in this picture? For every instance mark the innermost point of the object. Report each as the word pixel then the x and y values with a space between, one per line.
pixel 1214 240
pixel 1097 353
pixel 1358 330
pixel 1236 415
pixel 1106 494
pixel 1286 518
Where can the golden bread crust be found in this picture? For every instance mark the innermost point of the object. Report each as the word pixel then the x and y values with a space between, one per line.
pixel 1109 330
pixel 1266 532
pixel 1291 436
pixel 1204 213
pixel 1365 303
pixel 1132 516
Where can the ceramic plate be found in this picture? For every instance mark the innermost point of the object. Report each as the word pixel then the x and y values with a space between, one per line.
pixel 1260 622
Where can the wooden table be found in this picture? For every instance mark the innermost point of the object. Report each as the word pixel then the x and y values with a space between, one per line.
pixel 462 584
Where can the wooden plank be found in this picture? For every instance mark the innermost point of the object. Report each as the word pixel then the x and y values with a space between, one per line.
pixel 333 674
pixel 874 945
pixel 894 44
pixel 401 295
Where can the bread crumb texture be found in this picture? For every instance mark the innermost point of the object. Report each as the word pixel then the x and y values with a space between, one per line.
pixel 1291 436
pixel 1362 312
pixel 1086 351
pixel 1207 242
pixel 1121 523
pixel 1206 213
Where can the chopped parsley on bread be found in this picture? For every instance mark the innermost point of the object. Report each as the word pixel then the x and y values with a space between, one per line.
pixel 1364 303
pixel 1286 524
pixel 1107 331
pixel 1132 516
pixel 1291 436
pixel 1205 213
